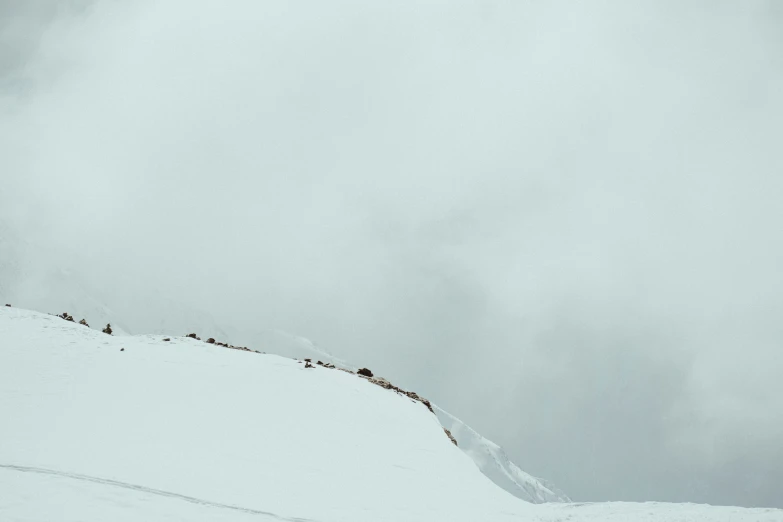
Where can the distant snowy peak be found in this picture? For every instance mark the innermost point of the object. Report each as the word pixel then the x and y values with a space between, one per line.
pixel 30 278
pixel 493 462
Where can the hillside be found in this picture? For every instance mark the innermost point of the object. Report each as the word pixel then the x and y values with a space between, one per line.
pixel 97 427
pixel 24 280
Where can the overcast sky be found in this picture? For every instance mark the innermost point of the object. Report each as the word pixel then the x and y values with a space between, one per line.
pixel 558 220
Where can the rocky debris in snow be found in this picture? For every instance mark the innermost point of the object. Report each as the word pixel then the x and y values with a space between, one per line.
pixel 122 349
pixel 451 437
pixel 83 322
pixel 385 384
pixel 212 340
pixel 8 305
pixel 308 360
pixel 166 339
pixel 107 330
pixel 66 316
pixel 380 381
pixel 416 397
pixel 308 365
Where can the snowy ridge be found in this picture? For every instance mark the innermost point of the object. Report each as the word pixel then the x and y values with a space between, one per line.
pixel 493 462
pixel 96 427
pixel 259 432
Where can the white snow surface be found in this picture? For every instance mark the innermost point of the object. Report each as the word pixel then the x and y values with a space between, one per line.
pixel 187 431
pixel 493 462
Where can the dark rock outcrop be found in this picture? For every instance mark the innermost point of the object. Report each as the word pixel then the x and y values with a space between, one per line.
pixel 451 437
pixel 383 383
pixel 83 322
pixel 210 341
pixel 108 329
pixel 365 372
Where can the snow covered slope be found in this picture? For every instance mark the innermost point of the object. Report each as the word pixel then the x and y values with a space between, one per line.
pixel 495 464
pixel 96 428
pixel 224 426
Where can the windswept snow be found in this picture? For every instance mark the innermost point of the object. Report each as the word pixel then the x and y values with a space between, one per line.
pixel 183 430
pixel 495 464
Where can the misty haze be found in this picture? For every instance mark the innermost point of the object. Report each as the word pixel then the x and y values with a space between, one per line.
pixel 557 221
